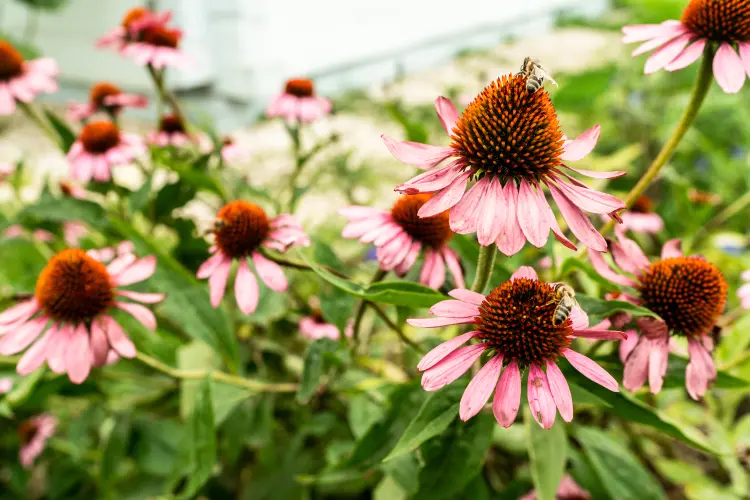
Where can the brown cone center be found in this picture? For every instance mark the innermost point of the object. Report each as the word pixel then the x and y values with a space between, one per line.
pixel 99 137
pixel 432 231
pixel 719 20
pixel 240 228
pixel 300 87
pixel 11 61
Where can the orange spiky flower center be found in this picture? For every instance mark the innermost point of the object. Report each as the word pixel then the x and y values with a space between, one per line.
pixel 509 132
pixel 100 136
pixel 432 231
pixel 688 293
pixel 300 87
pixel 135 14
pixel 11 61
pixel 74 287
pixel 719 20
pixel 161 36
pixel 516 319
pixel 171 124
pixel 102 90
pixel 240 228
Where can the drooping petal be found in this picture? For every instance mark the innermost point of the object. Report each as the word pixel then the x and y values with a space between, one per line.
pixel 447 113
pixel 591 370
pixel 525 272
pixel 137 272
pixel 78 356
pixel 688 56
pixel 433 180
pixel 468 296
pixel 417 154
pixel 446 198
pixel 19 312
pixel 579 224
pixel 728 69
pixel 454 266
pixel 581 146
pixel 532 220
pixel 546 210
pixel 490 209
pixel 507 395
pixel 511 239
pixel 671 249
pixel 35 356
pixel 541 403
pixel 600 334
pixel 141 313
pixel 560 391
pixel 270 272
pixel 454 309
pixel 217 282
pixel 627 345
pixel 18 340
pixel 667 53
pixel 57 345
pixel 118 339
pixel 657 363
pixel 209 266
pixel 605 271
pixel 438 322
pixel 465 214
pixel 99 343
pixel 451 367
pixel 586 198
pixel 480 388
pixel 245 288
pixel 642 32
pixel 442 350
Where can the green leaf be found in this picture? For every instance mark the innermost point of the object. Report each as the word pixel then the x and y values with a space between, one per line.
pixel 337 307
pixel 599 309
pixel 436 414
pixel 187 304
pixel 27 261
pixel 171 197
pixel 201 444
pixel 452 460
pixel 313 368
pixel 66 134
pixel 548 453
pixel 65 209
pixel 627 407
pixel 139 198
pixel 404 470
pixel 400 293
pixel 114 452
pixel 620 472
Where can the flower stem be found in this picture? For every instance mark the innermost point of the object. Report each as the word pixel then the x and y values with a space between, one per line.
pixel 485 265
pixel 34 116
pixel 393 326
pixel 359 314
pixel 700 90
pixel 164 94
pixel 252 385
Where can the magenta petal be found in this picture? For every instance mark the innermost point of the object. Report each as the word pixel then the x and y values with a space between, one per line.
pixel 579 318
pixel 434 180
pixel 454 309
pixel 217 283
pixel 136 272
pixel 451 367
pixel 99 343
pixel 437 354
pixel 582 145
pixel 139 312
pixel 688 56
pixel 447 113
pixel 667 53
pixel 560 391
pixel 600 334
pixel 209 266
pixel 728 69
pixel 414 153
pixel 540 397
pixel 578 222
pixel 525 272
pixel 586 198
pixel 510 240
pixel 490 213
pixel 657 364
pixel 671 249
pixel 245 288
pixel 145 298
pixel 20 339
pixel 57 345
pixel 118 339
pixel 454 266
pixel 35 356
pixel 591 370
pixel 270 272
pixel 532 220
pixel 78 356
pixel 465 295
pixel 627 345
pixel 446 198
pixel 480 388
pixel 439 322
pixel 605 271
pixel 642 32
pixel 19 312
pixel 465 214
pixel 745 55
pixel 595 174
pixel 507 395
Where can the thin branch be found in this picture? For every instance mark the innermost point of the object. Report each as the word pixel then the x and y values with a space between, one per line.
pixel 393 326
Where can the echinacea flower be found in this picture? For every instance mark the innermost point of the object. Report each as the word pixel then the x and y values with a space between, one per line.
pixel 688 294
pixel 298 102
pixel 566 490
pixel 721 23
pixel 68 188
pixel 640 218
pixel 171 132
pixel 99 147
pixel 70 311
pixel 400 236
pixel 107 97
pixel 18 231
pixel 229 150
pixel 514 324
pixel 744 291
pixel 132 26
pixel 241 229
pixel 73 231
pixel 22 80
pixel 508 143
pixel 34 434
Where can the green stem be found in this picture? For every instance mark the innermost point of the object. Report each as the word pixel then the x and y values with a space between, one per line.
pixel 252 385
pixel 700 90
pixel 739 360
pixel 164 94
pixel 33 115
pixel 294 264
pixel 485 265
pixel 393 326
pixel 730 211
pixel 360 313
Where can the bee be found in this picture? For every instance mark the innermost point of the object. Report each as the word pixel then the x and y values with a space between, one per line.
pixel 535 74
pixel 218 225
pixel 565 302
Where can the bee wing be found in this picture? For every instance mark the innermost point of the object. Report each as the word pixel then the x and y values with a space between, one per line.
pixel 543 74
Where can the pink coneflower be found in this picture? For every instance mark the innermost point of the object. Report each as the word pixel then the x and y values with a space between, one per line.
pixel 74 294
pixel 688 294
pixel 106 97
pixel 722 23
pixel 159 47
pixel 73 231
pixel 34 434
pixel 640 218
pixel 132 26
pixel 18 231
pixel 241 229
pixel 99 147
pixel 298 102
pixel 513 323
pixel 171 132
pixel 22 80
pixel 230 151
pixel 566 490
pixel 400 236
pixel 107 254
pixel 744 291
pixel 73 190
pixel 509 142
